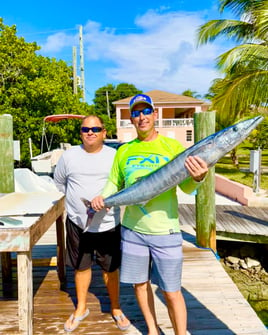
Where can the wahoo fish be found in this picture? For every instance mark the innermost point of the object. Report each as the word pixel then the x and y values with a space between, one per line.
pixel 210 149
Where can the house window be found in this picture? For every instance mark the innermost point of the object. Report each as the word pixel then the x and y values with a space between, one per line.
pixel 189 135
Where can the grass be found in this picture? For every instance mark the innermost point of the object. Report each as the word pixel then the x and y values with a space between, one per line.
pixel 242 174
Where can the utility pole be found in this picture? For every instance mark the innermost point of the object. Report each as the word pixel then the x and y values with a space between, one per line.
pixel 255 167
pixel 82 63
pixel 108 107
pixel 74 71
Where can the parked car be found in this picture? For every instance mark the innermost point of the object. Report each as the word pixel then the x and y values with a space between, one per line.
pixel 114 143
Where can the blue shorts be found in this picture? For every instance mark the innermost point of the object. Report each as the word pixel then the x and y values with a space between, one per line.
pixel 151 257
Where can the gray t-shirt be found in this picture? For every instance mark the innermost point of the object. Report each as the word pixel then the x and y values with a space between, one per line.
pixel 82 174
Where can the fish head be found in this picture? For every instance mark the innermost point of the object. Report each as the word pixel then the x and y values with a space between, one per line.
pixel 220 143
pixel 230 137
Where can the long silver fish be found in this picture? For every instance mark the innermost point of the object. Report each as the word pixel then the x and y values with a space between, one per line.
pixel 210 149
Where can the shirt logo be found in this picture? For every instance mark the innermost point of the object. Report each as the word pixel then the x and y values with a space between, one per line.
pixel 147 160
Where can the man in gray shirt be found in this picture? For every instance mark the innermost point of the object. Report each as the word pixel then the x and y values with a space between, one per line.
pixel 82 172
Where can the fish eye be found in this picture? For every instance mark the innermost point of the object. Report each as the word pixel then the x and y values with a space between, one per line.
pixel 210 143
pixel 235 128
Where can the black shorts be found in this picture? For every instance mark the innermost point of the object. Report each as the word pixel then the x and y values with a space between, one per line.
pixel 84 248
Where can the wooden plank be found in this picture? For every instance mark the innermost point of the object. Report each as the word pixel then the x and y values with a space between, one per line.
pixel 24 237
pixel 34 226
pixel 236 222
pixel 215 305
pixel 61 247
pixel 25 292
pixel 38 229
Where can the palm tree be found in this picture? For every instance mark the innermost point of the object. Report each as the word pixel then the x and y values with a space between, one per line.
pixel 246 65
pixel 190 93
pixel 244 87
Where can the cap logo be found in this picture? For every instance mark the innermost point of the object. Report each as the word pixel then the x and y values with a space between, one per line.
pixel 140 98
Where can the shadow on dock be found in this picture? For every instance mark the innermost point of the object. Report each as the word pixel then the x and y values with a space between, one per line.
pixel 215 305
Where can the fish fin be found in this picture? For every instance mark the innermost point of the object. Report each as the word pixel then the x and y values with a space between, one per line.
pixel 90 213
pixel 86 202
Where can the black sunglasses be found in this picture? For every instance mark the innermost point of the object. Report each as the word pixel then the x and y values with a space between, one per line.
pixel 145 111
pixel 93 129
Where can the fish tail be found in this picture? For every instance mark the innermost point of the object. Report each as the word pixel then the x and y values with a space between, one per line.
pixel 86 202
pixel 90 213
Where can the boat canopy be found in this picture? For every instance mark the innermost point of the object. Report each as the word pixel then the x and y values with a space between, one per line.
pixel 59 117
pixel 55 118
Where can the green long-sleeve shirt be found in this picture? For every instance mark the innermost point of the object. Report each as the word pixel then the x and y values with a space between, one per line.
pixel 136 159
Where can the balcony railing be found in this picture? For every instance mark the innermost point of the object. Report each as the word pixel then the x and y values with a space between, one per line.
pixel 165 123
pixel 177 122
pixel 125 124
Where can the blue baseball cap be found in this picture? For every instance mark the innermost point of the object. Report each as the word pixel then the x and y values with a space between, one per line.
pixel 140 98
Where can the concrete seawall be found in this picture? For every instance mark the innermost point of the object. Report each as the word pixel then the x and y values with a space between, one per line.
pixel 240 193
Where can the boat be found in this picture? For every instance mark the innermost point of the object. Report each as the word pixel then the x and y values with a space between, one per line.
pixel 45 163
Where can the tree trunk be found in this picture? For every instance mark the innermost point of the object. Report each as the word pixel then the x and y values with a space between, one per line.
pixel 234 158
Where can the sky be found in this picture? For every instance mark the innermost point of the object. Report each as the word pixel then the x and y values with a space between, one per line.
pixel 148 43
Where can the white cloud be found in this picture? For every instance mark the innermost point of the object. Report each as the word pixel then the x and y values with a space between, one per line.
pixel 56 42
pixel 160 53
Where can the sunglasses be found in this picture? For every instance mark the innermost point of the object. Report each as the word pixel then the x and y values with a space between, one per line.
pixel 145 111
pixel 93 129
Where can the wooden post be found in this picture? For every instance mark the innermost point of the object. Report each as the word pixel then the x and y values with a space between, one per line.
pixel 25 292
pixel 61 249
pixel 6 178
pixel 6 154
pixel 204 125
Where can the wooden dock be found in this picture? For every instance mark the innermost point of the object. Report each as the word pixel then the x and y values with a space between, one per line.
pixel 243 223
pixel 214 303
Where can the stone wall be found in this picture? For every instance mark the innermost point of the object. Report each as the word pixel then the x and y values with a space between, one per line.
pixel 247 265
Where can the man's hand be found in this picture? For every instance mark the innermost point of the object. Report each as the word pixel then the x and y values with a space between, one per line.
pixel 197 167
pixel 97 203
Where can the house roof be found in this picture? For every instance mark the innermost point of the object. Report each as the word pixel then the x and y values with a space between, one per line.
pixel 160 97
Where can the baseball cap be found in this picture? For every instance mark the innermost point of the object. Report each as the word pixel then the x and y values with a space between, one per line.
pixel 140 98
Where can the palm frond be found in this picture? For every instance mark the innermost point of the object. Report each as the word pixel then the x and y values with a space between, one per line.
pixel 246 55
pixel 261 24
pixel 237 95
pixel 239 7
pixel 245 66
pixel 238 30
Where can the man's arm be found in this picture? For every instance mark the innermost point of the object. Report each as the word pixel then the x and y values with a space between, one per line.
pixel 110 188
pixel 198 170
pixel 60 176
pixel 112 185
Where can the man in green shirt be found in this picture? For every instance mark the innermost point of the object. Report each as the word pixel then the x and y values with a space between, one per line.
pixel 151 237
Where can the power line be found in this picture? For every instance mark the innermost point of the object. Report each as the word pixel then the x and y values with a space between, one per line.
pixel 49 31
